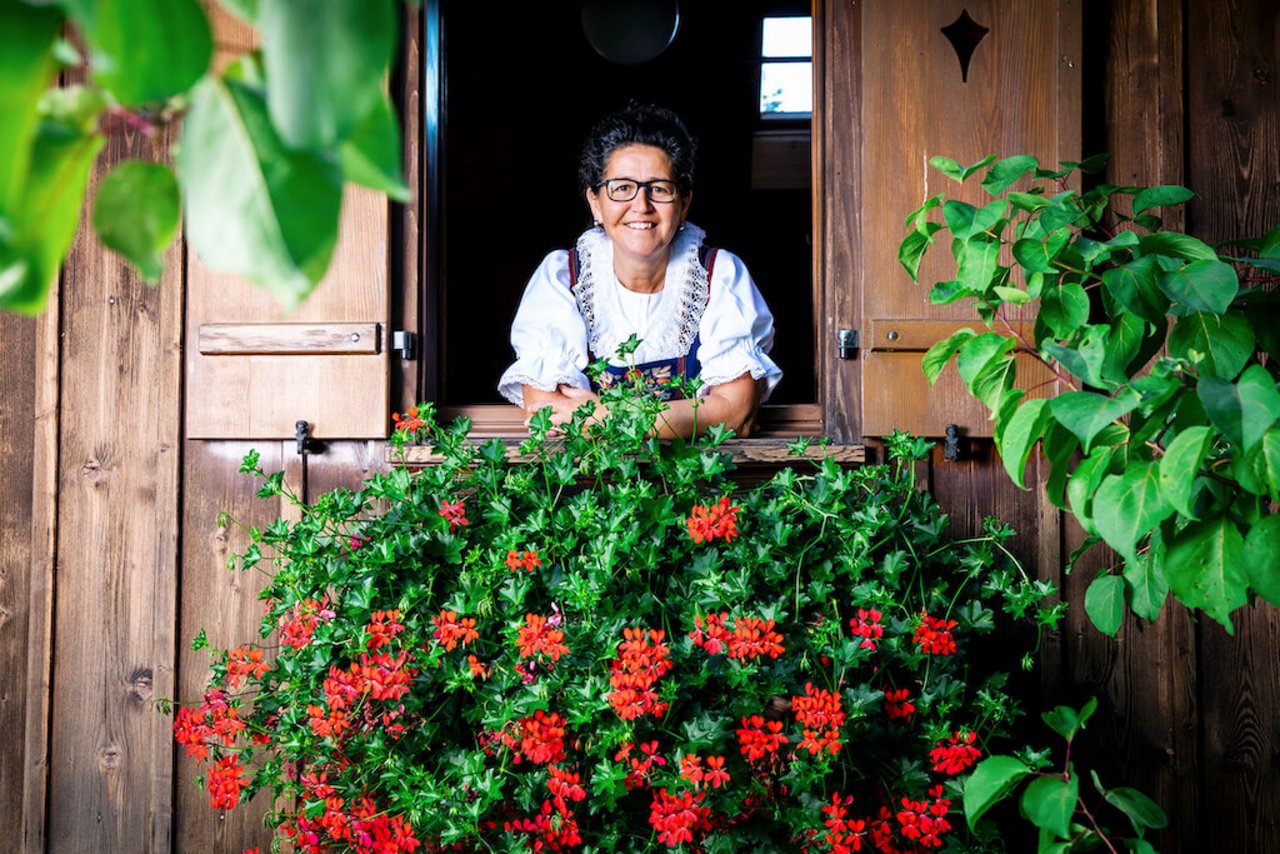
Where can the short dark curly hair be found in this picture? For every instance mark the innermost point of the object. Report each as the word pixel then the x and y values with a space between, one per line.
pixel 639 124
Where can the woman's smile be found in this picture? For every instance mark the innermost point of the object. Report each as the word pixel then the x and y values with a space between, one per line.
pixel 641 230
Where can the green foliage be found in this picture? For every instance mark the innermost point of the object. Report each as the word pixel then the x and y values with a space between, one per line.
pixel 492 653
pixel 263 157
pixel 1164 438
pixel 1052 800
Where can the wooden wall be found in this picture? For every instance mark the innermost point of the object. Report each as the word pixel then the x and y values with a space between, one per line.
pixel 111 558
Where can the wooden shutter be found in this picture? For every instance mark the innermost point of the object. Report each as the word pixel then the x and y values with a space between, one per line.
pixel 253 371
pixel 1021 96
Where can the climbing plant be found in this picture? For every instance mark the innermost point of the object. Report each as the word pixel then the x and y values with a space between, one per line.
pixel 267 143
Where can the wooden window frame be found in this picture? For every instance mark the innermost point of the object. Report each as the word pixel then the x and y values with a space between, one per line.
pixel 833 415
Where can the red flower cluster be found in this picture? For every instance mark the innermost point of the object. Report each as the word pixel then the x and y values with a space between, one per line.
pixel 713 774
pixel 640 767
pixel 538 738
pixel 844 834
pixel 711 522
pixel 450 631
pixel 923 822
pixel 957 755
pixel 676 817
pixel 538 636
pixel 217 719
pixel 242 662
pixel 382 627
pixel 897 704
pixel 642 660
pixel 867 626
pixel 410 423
pixel 933 635
pixel 751 637
pixel 564 787
pixel 759 737
pixel 456 514
pixel 298 625
pixel 550 830
pixel 377 677
pixel 528 561
pixel 225 782
pixel 820 714
pixel 359 824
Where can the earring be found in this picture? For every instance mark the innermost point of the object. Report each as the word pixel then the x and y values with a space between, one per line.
pixel 599 224
pixel 681 228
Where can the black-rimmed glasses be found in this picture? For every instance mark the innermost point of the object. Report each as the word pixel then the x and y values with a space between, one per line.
pixel 661 191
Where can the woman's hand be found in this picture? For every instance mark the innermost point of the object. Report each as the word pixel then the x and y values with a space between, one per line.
pixel 564 401
pixel 733 404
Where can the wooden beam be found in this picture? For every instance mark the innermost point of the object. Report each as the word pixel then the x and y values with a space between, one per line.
pixel 290 339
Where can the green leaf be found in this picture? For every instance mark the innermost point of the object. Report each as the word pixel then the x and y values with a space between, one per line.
pixel 1243 410
pixel 1262 558
pixel 1016 439
pixel 371 158
pixel 1037 256
pixel 1085 413
pixel 1104 603
pixel 1027 201
pixel 991 781
pixel 27 65
pixel 1064 308
pixel 326 60
pixel 1004 173
pixel 937 356
pixel 1066 721
pixel 1084 483
pixel 1162 196
pixel 77 108
pixel 1202 285
pixel 1143 812
pixel 1085 361
pixel 966 221
pixel 978 351
pixel 1134 286
pixel 1223 342
pixel 978 262
pixel 1176 245
pixel 253 207
pixel 1145 579
pixel 48 213
pixel 954 170
pixel 146 51
pixel 136 214
pixel 913 247
pixel 1180 467
pixel 1128 505
pixel 1204 568
pixel 1049 802
pixel 1124 343
pixel 1258 470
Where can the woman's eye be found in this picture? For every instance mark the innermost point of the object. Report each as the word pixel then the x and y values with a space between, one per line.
pixel 622 188
pixel 663 191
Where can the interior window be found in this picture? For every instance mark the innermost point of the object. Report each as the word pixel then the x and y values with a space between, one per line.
pixel 786 69
pixel 520 88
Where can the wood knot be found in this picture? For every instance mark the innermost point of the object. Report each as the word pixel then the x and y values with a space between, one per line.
pixel 91 471
pixel 141 682
pixel 110 758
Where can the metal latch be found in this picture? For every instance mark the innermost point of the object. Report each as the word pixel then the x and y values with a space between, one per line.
pixel 405 343
pixel 847 343
pixel 306 444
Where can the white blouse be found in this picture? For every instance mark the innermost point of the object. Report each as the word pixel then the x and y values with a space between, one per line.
pixel 557 328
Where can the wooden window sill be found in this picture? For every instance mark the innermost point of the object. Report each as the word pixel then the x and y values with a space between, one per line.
pixel 763 451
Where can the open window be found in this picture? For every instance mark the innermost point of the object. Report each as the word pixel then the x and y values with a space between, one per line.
pixel 501 143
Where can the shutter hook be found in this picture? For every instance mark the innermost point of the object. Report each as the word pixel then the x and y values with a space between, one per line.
pixel 306 444
pixel 951 447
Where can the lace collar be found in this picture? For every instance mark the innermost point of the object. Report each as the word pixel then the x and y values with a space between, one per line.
pixel 683 297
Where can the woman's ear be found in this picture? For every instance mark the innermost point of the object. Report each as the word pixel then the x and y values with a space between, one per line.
pixel 686 199
pixel 593 202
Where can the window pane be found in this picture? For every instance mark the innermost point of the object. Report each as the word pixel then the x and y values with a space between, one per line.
pixel 788 37
pixel 786 87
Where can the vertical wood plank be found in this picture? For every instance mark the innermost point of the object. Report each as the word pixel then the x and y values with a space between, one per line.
pixel 838 145
pixel 407 279
pixel 224 603
pixel 17 436
pixel 110 784
pixel 1233 162
pixel 44 529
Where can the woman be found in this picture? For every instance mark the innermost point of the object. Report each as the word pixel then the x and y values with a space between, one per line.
pixel 643 270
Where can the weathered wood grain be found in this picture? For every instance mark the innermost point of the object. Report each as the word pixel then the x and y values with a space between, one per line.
pixel 17 438
pixel 742 451
pixel 290 339
pixel 224 603
pixel 407 279
pixel 110 756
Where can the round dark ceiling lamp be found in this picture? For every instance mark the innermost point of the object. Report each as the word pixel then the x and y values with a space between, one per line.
pixel 630 32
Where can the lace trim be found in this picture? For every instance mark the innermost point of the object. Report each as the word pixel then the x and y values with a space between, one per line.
pixel 512 385
pixel 677 326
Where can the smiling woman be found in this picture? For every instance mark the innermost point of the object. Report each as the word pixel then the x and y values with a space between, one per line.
pixel 643 272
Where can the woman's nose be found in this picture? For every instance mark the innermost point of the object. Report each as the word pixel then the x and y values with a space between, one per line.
pixel 642 200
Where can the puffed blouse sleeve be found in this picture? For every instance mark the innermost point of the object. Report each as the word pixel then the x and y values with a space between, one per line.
pixel 548 334
pixel 736 332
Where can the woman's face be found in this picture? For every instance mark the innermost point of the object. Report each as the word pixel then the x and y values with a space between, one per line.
pixel 641 229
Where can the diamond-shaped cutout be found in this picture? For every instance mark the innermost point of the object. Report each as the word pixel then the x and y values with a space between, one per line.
pixel 964 33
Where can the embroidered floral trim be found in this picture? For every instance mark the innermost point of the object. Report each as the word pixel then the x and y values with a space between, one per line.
pixel 681 313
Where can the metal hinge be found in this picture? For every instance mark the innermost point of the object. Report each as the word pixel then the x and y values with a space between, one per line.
pixel 847 343
pixel 405 343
